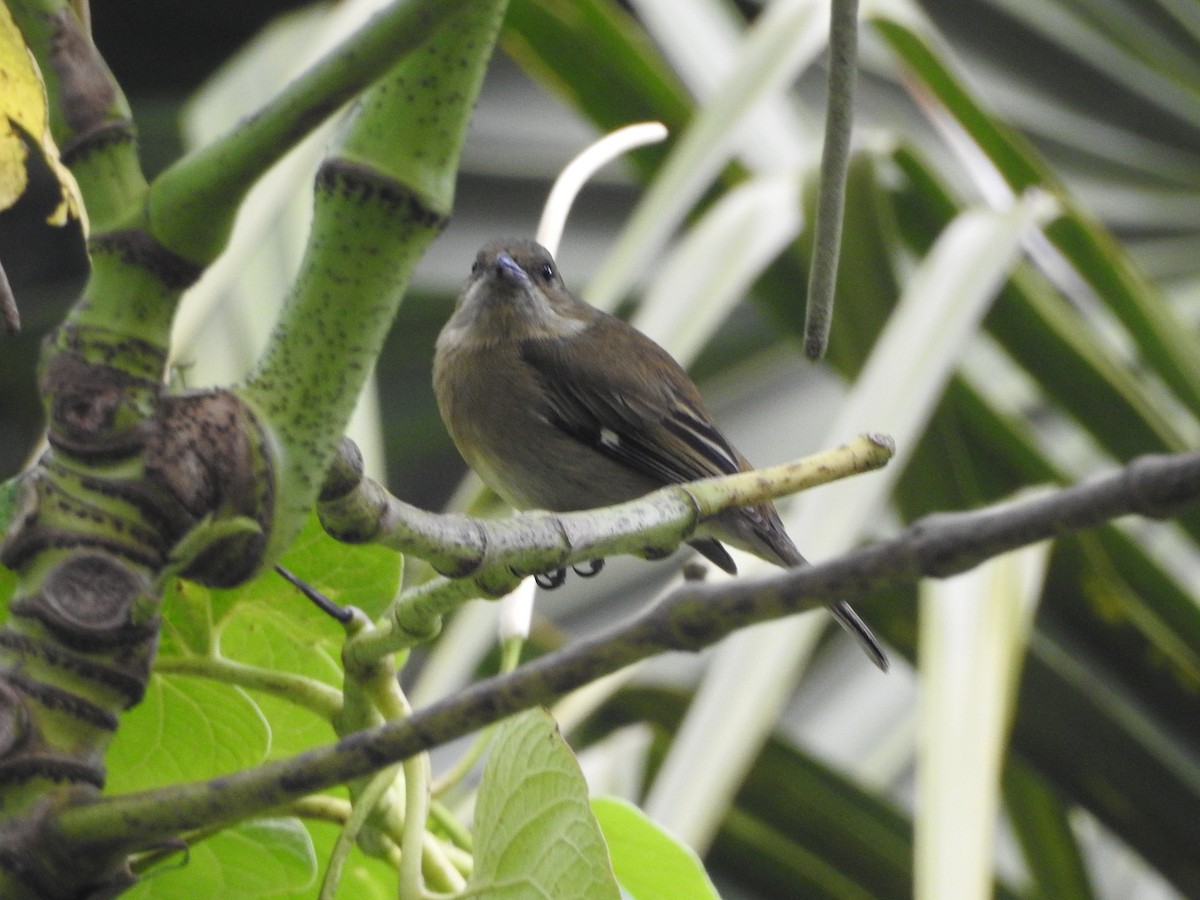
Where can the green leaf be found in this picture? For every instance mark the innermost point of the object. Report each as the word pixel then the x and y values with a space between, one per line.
pixel 185 729
pixel 649 863
pixel 535 832
pixel 1053 342
pixel 363 878
pixel 1161 335
pixel 8 508
pixel 798 827
pixel 781 43
pixel 365 576
pixel 8 584
pixel 8 501
pixel 260 858
pixel 598 59
pixel 717 261
pixel 1127 42
pixel 284 639
pixel 1040 821
pixel 362 575
pixel 187 620
pixel 294 728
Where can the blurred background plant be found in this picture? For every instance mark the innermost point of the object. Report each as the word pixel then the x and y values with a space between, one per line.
pixel 999 355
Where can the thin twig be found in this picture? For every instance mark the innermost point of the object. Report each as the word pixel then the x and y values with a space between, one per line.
pixel 835 163
pixel 9 314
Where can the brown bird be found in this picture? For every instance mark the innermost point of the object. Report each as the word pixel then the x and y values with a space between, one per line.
pixel 559 406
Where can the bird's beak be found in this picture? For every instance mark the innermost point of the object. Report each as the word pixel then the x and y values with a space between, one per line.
pixel 508 270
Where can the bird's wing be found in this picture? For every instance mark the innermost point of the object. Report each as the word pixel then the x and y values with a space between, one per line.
pixel 640 410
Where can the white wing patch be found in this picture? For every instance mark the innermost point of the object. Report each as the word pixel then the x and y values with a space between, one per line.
pixel 609 438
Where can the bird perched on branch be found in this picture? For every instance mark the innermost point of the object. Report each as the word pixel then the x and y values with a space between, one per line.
pixel 559 406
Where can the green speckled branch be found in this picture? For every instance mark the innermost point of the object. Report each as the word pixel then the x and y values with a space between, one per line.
pixel 192 204
pixel 490 558
pixel 140 483
pixel 383 194
pixel 89 115
pixel 151 242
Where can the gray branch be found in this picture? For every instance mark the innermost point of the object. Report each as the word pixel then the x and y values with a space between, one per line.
pixel 693 616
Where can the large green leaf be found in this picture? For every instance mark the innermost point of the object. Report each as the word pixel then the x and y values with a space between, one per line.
pixel 1094 254
pixel 260 858
pixel 797 828
pixel 599 60
pixel 649 863
pixel 186 729
pixel 1039 819
pixel 535 832
pixel 1073 361
pixel 1100 746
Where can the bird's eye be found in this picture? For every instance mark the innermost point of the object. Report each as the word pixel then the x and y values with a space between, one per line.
pixel 546 272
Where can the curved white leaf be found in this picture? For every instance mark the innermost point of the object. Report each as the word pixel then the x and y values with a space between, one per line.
pixel 785 38
pixel 715 264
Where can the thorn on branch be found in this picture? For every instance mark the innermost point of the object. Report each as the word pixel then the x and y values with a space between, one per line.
pixel 9 314
pixel 342 614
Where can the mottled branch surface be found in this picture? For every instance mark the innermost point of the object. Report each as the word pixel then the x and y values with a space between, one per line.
pixel 691 617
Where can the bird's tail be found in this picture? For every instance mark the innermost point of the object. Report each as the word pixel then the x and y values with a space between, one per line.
pixel 858 628
pixel 759 530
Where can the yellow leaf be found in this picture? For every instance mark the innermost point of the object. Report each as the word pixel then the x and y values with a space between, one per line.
pixel 25 127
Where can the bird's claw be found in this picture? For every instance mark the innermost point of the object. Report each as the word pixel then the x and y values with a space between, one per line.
pixel 592 570
pixel 548 581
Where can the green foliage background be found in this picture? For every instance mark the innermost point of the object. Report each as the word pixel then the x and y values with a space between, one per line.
pixel 1086 356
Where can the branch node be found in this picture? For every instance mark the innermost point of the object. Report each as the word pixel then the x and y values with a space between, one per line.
pixel 1160 486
